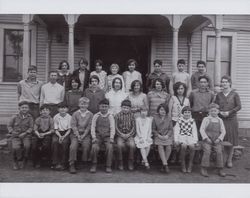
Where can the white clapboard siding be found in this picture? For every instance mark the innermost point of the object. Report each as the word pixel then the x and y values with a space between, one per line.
pixel 41 44
pixel 59 50
pixel 241 24
pixel 11 18
pixel 8 102
pixel 163 48
pixel 196 49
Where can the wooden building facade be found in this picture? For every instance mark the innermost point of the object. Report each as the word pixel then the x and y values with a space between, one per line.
pixel 223 41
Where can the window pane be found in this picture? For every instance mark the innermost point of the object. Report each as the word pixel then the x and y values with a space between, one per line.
pixel 225 49
pixel 12 69
pixel 225 68
pixel 13 42
pixel 210 69
pixel 210 48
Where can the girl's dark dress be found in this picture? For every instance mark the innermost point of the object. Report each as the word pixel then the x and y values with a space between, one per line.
pixel 232 104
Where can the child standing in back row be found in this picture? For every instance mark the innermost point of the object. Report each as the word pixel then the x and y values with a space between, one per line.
pixel 185 134
pixel 180 76
pixel 212 132
pixel 131 75
pixel 102 75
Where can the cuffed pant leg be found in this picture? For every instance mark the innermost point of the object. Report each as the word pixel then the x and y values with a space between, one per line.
pixel 219 155
pixel 205 161
pixel 95 151
pixel 26 146
pixel 55 147
pixel 109 152
pixel 86 145
pixel 120 148
pixel 16 149
pixel 73 149
pixel 132 147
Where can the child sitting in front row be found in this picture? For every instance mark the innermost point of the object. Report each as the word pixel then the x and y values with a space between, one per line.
pixel 143 138
pixel 60 140
pixel 125 130
pixel 212 132
pixel 102 133
pixel 163 134
pixel 185 134
pixel 41 140
pixel 20 128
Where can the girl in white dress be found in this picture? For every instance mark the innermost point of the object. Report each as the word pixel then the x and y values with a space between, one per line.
pixel 185 134
pixel 143 138
pixel 116 96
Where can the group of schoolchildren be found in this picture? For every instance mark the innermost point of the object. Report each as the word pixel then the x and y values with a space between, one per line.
pixel 56 137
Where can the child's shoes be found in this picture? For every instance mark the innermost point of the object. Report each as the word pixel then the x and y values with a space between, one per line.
pixel 204 172
pixel 93 168
pixel 221 173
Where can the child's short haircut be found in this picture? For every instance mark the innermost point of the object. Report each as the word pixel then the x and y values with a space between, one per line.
pixel 131 61
pixel 44 106
pixel 61 64
pixel 94 77
pixel 84 61
pixel 164 106
pixel 62 105
pixel 114 65
pixel 126 103
pixel 77 80
pixel 83 100
pixel 186 108
pixel 200 62
pixel 176 87
pixel 157 61
pixel 113 82
pixel 203 77
pixel 52 71
pixel 32 68
pixel 213 105
pixel 99 61
pixel 23 103
pixel 104 101
pixel 181 61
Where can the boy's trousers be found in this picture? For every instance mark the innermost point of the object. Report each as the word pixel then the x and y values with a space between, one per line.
pixel 207 148
pixel 21 147
pixel 126 144
pixel 108 150
pixel 86 144
pixel 41 147
pixel 60 150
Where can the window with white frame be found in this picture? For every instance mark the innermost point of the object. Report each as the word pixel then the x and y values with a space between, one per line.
pixel 228 46
pixel 13 55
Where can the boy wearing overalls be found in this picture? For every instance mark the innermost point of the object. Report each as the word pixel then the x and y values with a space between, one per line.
pixel 102 132
pixel 212 132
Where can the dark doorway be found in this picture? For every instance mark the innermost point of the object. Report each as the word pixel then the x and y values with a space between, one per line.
pixel 119 49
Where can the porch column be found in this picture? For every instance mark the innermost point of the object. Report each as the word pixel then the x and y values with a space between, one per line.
pixel 26 43
pixel 48 52
pixel 217 65
pixel 71 20
pixel 190 52
pixel 175 48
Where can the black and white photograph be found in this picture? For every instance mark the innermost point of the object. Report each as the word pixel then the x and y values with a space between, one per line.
pixel 120 97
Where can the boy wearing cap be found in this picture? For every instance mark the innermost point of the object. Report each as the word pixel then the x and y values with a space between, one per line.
pixel 20 127
pixel 125 130
pixel 102 132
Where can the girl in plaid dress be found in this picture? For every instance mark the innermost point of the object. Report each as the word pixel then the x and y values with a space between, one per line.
pixel 185 134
